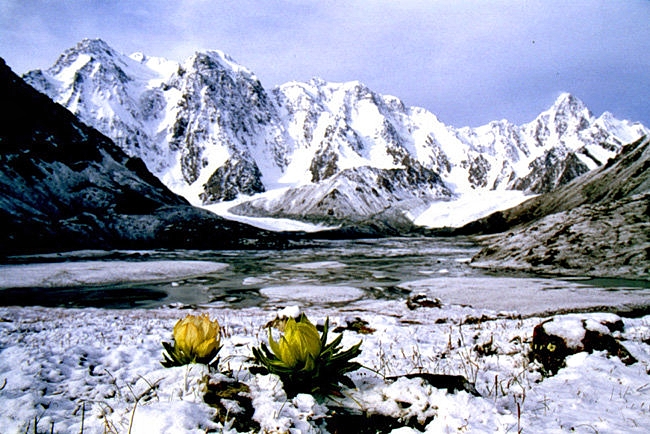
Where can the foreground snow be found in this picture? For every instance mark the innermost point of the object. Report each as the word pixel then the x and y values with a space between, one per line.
pixel 96 371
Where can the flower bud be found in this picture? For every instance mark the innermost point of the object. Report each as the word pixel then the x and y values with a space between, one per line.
pixel 197 336
pixel 300 345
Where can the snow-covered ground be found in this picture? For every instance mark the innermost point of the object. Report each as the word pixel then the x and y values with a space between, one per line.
pixel 98 370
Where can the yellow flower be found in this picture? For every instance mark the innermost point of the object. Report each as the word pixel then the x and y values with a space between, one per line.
pixel 305 361
pixel 299 346
pixel 197 335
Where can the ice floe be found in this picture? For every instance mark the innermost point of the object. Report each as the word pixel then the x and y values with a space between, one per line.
pixel 312 294
pixel 525 296
pixel 70 274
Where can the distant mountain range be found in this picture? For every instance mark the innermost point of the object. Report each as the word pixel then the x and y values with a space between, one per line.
pixel 332 152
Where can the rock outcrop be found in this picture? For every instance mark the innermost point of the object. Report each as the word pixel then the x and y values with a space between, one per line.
pixel 597 225
pixel 559 337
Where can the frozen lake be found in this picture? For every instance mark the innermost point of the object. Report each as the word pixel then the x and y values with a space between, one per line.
pixel 327 273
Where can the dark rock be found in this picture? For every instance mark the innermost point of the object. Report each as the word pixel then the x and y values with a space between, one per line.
pixel 236 176
pixel 233 403
pixel 550 171
pixel 343 420
pixel 451 383
pixel 356 325
pixel 422 300
pixel 557 338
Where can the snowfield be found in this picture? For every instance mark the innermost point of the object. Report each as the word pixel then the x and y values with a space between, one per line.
pixel 98 371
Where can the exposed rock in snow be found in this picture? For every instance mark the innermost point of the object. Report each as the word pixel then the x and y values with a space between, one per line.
pixel 559 337
pixel 202 126
pixel 356 194
pixel 64 185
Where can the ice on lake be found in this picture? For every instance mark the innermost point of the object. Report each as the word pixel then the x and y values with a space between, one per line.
pixel 67 274
pixel 324 265
pixel 527 296
pixel 325 273
pixel 312 294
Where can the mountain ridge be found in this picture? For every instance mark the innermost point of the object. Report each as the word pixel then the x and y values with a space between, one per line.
pixel 212 133
pixel 596 225
pixel 65 186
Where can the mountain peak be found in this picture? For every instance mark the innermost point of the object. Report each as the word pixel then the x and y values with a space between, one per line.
pixel 217 59
pixel 96 44
pixel 86 50
pixel 568 103
pixel 93 47
pixel 564 97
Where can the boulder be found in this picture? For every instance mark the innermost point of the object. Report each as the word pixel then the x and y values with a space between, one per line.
pixel 417 301
pixel 559 337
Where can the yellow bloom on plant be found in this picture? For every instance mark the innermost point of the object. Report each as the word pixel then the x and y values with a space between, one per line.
pixel 300 345
pixel 196 340
pixel 305 361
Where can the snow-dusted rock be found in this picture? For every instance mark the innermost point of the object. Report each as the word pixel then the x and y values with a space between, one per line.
pixel 202 126
pixel 596 225
pixel 559 337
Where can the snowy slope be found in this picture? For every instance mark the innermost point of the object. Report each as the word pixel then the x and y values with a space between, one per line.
pixel 349 139
pixel 211 132
pixel 596 225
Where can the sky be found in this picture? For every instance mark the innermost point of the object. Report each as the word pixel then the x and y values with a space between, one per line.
pixel 468 62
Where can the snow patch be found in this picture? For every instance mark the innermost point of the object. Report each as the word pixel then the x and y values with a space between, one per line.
pixel 267 223
pixel 469 207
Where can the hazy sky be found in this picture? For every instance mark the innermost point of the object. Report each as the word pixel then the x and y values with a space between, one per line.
pixel 468 62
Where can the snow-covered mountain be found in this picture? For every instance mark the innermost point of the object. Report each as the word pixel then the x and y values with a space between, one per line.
pixel 64 185
pixel 201 126
pixel 211 132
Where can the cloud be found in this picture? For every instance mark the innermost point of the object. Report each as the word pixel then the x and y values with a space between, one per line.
pixel 469 62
